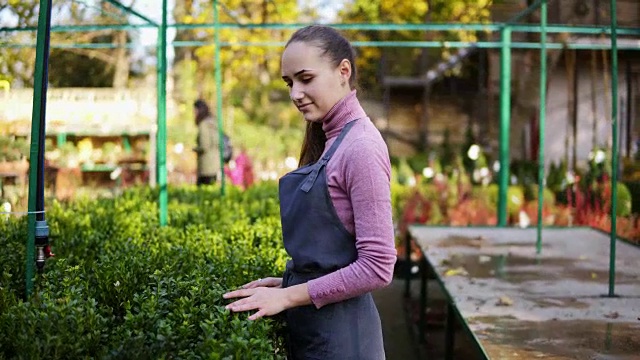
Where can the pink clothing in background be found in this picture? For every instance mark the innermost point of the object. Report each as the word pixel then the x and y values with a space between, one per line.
pixel 241 174
pixel 358 176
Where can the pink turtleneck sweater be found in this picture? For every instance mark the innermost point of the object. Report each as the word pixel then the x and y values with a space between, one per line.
pixel 358 176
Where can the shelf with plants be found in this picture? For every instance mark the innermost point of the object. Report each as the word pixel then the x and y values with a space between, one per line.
pixel 102 159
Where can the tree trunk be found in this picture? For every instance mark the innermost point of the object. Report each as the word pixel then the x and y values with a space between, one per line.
pixel 121 64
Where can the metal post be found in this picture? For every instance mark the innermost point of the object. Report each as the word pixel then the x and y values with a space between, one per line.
pixel 218 76
pixel 407 283
pixel 36 221
pixel 129 10
pixel 629 110
pixel 424 293
pixel 450 331
pixel 614 147
pixel 161 136
pixel 542 120
pixel 505 118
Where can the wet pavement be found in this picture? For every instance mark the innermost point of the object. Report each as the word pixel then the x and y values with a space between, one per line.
pixel 553 306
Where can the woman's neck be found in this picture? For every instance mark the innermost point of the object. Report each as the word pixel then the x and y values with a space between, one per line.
pixel 345 110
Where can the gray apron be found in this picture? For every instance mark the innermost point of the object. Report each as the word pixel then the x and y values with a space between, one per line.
pixel 318 244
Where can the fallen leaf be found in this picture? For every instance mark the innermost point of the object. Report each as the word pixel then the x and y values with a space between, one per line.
pixel 504 301
pixel 456 271
pixel 612 315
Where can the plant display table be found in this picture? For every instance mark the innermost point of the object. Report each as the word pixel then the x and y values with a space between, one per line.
pixel 515 304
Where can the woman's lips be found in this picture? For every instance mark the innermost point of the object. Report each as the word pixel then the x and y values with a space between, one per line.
pixel 303 106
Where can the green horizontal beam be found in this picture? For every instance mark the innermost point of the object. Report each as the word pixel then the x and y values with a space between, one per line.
pixel 592 30
pixel 494 27
pixel 80 28
pixel 526 12
pixel 427 44
pixel 398 44
pixel 129 10
pixel 71 46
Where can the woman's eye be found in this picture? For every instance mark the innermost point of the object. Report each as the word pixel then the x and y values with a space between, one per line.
pixel 305 80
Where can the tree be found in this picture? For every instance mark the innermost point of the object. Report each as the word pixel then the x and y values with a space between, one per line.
pixel 251 79
pixel 406 61
pixel 69 66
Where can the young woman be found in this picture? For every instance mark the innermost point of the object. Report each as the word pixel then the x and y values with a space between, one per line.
pixel 206 149
pixel 335 212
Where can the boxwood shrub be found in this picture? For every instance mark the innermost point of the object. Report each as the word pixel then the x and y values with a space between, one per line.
pixel 122 287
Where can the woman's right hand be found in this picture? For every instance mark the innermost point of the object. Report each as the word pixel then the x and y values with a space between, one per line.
pixel 275 282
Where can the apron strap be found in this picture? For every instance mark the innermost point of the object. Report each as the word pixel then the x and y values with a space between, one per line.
pixel 306 187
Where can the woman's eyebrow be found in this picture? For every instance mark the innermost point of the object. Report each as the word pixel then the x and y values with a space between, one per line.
pixel 296 74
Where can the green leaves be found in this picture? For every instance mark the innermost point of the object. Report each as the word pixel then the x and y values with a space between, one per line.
pixel 122 287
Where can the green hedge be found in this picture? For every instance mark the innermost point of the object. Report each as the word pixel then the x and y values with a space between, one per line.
pixel 122 287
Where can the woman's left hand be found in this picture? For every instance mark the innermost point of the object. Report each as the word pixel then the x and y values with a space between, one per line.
pixel 268 301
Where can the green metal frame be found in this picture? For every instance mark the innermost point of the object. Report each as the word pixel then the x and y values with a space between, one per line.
pixel 542 116
pixel 505 46
pixel 614 148
pixel 161 136
pixel 37 117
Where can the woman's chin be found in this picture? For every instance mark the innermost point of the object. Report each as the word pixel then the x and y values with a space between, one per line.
pixel 312 118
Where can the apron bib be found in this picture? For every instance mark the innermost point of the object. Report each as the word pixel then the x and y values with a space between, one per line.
pixel 318 244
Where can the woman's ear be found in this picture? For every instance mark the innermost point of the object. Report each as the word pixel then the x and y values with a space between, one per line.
pixel 345 69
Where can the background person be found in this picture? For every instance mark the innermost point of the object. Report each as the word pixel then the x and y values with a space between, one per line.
pixel 207 146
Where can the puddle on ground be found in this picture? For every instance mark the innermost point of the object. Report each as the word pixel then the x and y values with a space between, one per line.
pixel 505 338
pixel 517 269
pixel 455 241
pixel 480 241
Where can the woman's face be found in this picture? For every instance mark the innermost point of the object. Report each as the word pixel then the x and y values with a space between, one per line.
pixel 315 84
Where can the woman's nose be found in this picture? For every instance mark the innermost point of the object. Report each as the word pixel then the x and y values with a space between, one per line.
pixel 296 92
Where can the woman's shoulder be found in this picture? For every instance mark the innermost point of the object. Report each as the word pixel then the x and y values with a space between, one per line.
pixel 364 135
pixel 363 143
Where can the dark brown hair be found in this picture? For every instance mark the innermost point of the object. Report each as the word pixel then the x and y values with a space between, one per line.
pixel 203 110
pixel 335 48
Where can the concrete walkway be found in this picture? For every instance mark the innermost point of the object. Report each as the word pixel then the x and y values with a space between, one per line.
pixel 398 341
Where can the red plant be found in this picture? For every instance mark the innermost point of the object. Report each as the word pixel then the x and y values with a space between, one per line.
pixel 471 212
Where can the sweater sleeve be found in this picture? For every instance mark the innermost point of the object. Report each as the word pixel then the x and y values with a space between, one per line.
pixel 366 173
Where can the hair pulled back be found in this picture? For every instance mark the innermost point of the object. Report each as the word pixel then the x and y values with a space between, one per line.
pixel 335 48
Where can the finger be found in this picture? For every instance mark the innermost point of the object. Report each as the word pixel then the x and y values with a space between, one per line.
pixel 238 307
pixel 238 293
pixel 238 303
pixel 253 284
pixel 271 282
pixel 258 315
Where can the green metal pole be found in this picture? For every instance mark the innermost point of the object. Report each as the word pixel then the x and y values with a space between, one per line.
pixel 129 10
pixel 400 44
pixel 542 120
pixel 614 148
pixel 161 138
pixel 62 139
pixel 505 118
pixel 218 76
pixel 36 152
pixel 552 28
pixel 526 12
